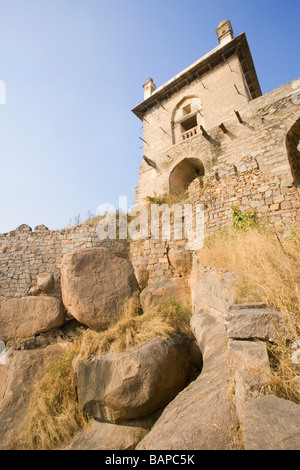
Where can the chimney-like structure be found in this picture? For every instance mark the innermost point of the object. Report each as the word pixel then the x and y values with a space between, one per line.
pixel 149 88
pixel 224 32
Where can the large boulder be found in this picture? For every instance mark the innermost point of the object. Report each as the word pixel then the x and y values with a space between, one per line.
pixel 19 376
pixel 202 416
pixel 22 317
pixel 181 260
pixel 176 289
pixel 135 383
pixel 94 284
pixel 101 435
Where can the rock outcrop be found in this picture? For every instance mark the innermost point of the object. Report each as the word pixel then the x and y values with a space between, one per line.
pixel 45 282
pixel 255 321
pixel 181 261
pixel 94 284
pixel 28 316
pixel 19 377
pixel 135 383
pixel 202 416
pixel 100 435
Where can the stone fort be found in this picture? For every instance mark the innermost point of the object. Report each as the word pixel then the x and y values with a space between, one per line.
pixel 208 132
pixel 209 126
pixel 212 120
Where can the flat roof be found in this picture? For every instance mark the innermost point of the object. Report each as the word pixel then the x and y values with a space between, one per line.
pixel 237 46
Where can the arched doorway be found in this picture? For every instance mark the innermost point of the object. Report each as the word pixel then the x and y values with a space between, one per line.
pixel 293 151
pixel 184 173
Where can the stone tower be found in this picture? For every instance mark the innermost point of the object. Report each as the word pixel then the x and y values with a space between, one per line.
pixel 207 118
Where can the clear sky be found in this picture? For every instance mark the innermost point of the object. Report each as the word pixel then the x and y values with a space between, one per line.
pixel 74 69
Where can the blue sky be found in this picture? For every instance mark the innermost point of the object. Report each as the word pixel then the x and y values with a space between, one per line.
pixel 73 71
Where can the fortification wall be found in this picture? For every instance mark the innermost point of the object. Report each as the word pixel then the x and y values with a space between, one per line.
pixel 275 203
pixel 25 253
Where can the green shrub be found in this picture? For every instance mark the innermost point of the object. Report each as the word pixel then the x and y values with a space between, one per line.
pixel 242 220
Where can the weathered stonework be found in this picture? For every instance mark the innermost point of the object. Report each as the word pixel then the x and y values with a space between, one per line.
pixel 274 202
pixel 25 253
pixel 212 115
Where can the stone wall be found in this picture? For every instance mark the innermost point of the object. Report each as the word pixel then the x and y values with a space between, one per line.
pixel 25 253
pixel 151 260
pixel 247 188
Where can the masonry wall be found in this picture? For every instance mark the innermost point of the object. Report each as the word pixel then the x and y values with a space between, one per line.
pixel 275 203
pixel 211 289
pixel 25 253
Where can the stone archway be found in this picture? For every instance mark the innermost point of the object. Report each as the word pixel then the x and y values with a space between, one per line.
pixel 293 151
pixel 184 173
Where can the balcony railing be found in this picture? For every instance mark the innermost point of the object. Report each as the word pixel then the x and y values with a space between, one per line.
pixel 190 133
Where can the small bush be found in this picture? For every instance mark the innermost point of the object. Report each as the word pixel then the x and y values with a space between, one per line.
pixel 243 220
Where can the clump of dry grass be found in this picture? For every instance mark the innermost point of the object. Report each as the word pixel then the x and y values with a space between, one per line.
pixel 132 329
pixel 55 416
pixel 281 379
pixel 170 197
pixel 266 269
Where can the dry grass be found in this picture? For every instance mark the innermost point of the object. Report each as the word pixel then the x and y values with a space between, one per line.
pixel 266 269
pixel 171 197
pixel 54 414
pixel 132 329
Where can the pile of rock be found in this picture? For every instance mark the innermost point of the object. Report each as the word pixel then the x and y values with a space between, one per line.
pixel 125 394
pixel 131 386
pixel 228 406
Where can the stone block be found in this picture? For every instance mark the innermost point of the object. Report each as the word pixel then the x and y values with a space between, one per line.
pixel 259 323
pixel 271 423
pixel 250 366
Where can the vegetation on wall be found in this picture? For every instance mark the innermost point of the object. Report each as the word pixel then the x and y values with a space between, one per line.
pixel 243 219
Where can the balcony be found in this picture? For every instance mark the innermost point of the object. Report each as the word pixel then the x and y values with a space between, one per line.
pixel 189 126
pixel 190 133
